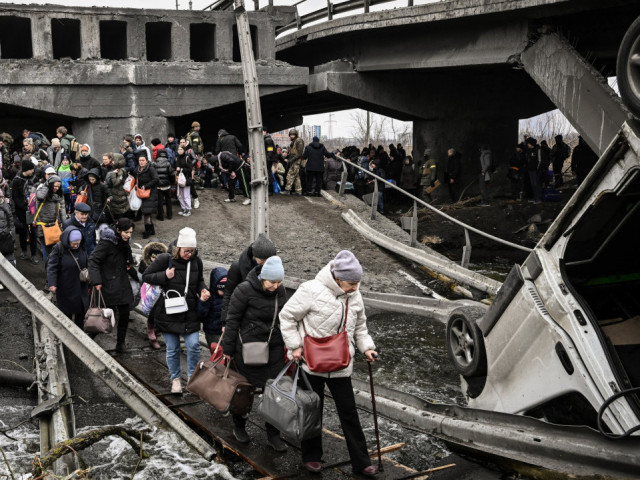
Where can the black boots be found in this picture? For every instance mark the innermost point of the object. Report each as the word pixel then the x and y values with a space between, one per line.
pixel 148 231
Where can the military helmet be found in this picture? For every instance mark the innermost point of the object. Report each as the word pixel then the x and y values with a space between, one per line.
pixel 293 131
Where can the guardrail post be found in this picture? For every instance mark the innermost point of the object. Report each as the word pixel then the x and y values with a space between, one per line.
pixel 374 200
pixel 329 10
pixel 256 5
pixel 410 3
pixel 414 225
pixel 366 6
pixel 298 20
pixel 466 250
pixel 343 182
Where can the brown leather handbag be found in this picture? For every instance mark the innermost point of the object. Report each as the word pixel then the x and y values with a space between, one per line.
pixel 328 354
pixel 98 319
pixel 225 389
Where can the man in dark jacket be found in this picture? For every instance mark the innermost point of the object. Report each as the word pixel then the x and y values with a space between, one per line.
pixel 228 143
pixel 232 166
pixel 452 173
pixel 315 154
pixel 532 154
pixel 256 254
pixel 270 151
pixel 582 160
pixel 83 221
pixel 166 174
pixel 559 153
pixel 20 185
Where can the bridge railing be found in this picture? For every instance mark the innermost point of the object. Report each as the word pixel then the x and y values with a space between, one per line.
pixel 325 13
pixel 466 250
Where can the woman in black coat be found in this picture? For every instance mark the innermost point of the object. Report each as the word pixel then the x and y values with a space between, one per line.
pixel 169 270
pixel 109 267
pixel 253 309
pixel 65 261
pixel 98 196
pixel 147 179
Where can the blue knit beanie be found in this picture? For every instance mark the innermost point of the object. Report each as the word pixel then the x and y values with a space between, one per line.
pixel 272 270
pixel 347 267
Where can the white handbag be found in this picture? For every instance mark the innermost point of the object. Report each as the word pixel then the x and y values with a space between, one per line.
pixel 178 303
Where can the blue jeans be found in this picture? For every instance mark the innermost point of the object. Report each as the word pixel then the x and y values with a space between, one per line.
pixel 192 344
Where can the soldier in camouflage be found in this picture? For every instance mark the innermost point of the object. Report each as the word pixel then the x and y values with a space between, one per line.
pixel 428 173
pixel 194 139
pixel 296 149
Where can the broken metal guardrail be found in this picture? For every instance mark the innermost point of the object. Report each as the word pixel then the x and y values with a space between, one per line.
pixel 572 450
pixel 138 398
pixel 467 228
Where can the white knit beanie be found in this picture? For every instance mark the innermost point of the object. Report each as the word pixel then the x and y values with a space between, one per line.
pixel 186 238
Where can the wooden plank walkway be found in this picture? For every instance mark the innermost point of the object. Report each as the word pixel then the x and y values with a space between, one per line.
pixel 150 368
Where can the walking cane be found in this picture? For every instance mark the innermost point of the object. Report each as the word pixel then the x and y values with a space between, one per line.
pixel 375 414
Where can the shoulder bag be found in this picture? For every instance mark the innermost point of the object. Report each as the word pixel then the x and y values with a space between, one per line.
pixel 83 196
pixel 142 194
pixel 257 353
pixel 84 272
pixel 177 304
pixel 328 354
pixel 227 390
pixel 292 410
pixel 98 320
pixel 51 231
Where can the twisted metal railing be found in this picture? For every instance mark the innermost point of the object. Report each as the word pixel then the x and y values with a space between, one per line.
pixel 466 250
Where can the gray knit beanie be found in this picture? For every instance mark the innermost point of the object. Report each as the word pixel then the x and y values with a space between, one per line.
pixel 347 267
pixel 272 269
pixel 263 247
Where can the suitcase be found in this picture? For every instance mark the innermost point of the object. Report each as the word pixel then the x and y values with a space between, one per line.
pixel 225 389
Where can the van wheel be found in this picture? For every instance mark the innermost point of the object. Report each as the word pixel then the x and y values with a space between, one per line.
pixel 628 68
pixel 465 344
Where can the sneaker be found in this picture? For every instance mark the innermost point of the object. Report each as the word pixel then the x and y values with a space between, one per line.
pixel 370 471
pixel 196 203
pixel 277 444
pixel 187 213
pixel 35 260
pixel 247 202
pixel 241 435
pixel 181 212
pixel 230 200
pixel 176 385
pixel 285 192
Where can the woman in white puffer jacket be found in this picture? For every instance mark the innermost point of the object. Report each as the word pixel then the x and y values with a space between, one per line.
pixel 319 306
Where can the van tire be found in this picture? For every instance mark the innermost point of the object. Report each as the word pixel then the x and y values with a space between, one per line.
pixel 628 72
pixel 465 343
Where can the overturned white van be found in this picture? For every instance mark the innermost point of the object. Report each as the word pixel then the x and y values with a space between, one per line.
pixel 561 341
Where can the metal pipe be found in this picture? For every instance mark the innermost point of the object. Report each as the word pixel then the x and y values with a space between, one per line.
pixel 439 212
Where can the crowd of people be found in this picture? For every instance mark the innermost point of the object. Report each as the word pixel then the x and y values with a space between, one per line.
pixel 91 263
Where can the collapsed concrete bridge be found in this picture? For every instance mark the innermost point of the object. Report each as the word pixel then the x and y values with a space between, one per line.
pixel 106 72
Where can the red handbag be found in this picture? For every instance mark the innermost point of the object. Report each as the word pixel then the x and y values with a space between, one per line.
pixel 83 196
pixel 328 354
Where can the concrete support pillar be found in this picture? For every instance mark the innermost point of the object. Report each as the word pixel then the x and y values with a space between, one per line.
pixel 89 37
pixel 464 134
pixel 105 134
pixel 41 42
pixel 180 38
pixel 136 39
pixel 224 41
pixel 266 46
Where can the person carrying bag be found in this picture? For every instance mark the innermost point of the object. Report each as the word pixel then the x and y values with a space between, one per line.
pixel 98 319
pixel 318 309
pixel 257 352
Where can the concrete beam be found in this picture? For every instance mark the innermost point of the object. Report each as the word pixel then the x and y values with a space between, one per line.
pixel 580 92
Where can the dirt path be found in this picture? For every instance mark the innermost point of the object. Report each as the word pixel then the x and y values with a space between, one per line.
pixel 307 231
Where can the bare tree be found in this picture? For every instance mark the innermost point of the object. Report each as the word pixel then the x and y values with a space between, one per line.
pixel 368 128
pixel 547 126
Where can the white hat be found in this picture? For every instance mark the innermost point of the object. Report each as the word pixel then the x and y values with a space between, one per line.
pixel 50 170
pixel 186 238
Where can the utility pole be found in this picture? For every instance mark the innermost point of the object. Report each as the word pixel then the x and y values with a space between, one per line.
pixel 367 133
pixel 177 5
pixel 331 122
pixel 259 179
